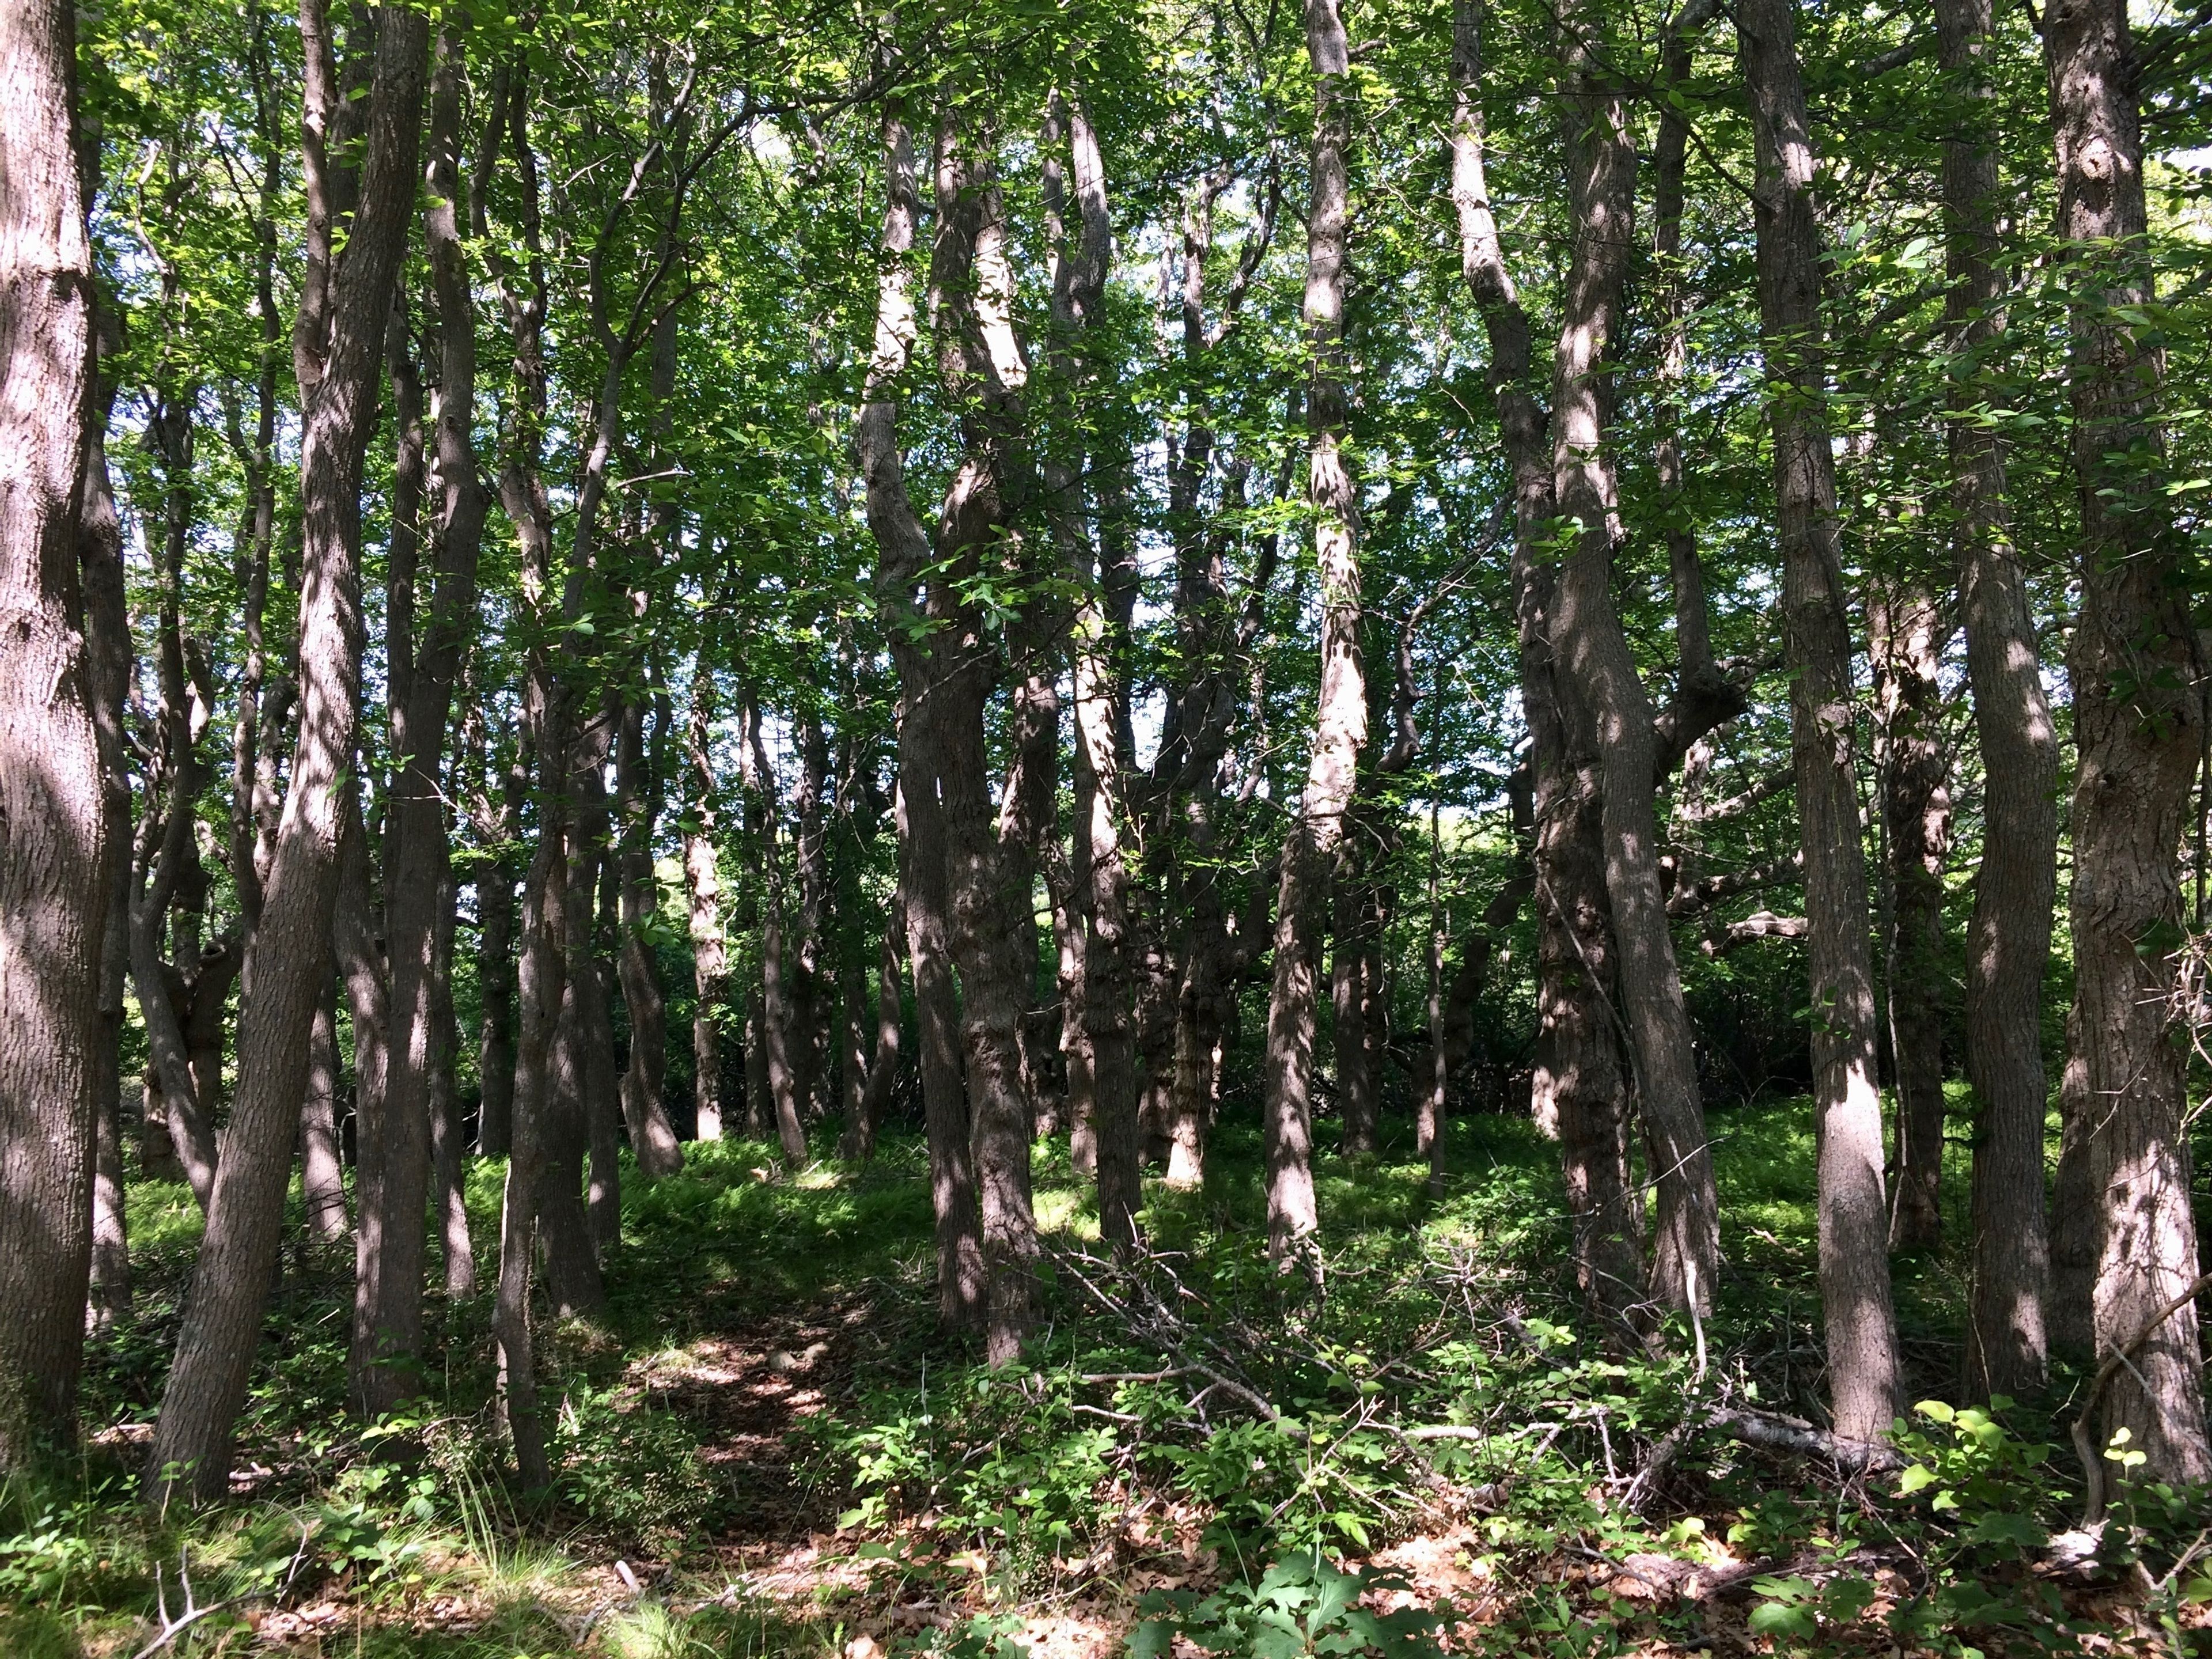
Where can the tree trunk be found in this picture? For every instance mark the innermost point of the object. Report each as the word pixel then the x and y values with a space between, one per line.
pixel 108 659
pixel 216 1344
pixel 1905 636
pixel 2009 938
pixel 906 552
pixel 1352 993
pixel 1610 701
pixel 496 828
pixel 2137 675
pixel 538 995
pixel 1861 1327
pixel 884 1063
pixel 322 1172
pixel 449 1162
pixel 416 861
pixel 1576 1089
pixel 652 1140
pixel 703 887
pixel 370 1361
pixel 1340 707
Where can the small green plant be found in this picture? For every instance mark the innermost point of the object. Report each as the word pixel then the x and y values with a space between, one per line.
pixel 630 1467
pixel 1302 1605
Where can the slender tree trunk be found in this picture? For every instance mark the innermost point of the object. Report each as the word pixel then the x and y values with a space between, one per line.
pixel 2137 676
pixel 322 1173
pixel 884 1063
pixel 1608 693
pixel 2009 938
pixel 652 1139
pixel 1861 1327
pixel 368 1006
pixel 496 827
pixel 108 659
pixel 1340 708
pixel 1350 994
pixel 1905 636
pixel 216 1344
pixel 702 887
pixel 539 993
pixel 449 1161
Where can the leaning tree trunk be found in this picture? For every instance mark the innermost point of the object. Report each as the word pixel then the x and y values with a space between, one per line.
pixel 216 1344
pixel 1592 650
pixel 1906 636
pixel 2137 675
pixel 54 874
pixel 2009 938
pixel 1855 1294
pixel 1340 707
pixel 1578 1088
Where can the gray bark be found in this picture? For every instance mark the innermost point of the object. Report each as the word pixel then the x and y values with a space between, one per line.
pixel 2137 703
pixel 1862 1326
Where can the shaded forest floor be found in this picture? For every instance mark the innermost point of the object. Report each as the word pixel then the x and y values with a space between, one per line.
pixel 766 1448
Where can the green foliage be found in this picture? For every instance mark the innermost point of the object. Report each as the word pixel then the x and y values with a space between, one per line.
pixel 1301 1606
pixel 630 1469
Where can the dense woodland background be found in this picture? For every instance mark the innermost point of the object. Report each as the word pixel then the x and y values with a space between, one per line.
pixel 1426 772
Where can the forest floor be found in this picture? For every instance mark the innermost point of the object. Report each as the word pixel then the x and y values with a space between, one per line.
pixel 766 1448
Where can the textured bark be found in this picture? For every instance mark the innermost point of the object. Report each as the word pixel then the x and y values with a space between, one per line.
pixel 1340 707
pixel 884 1060
pixel 539 993
pixel 108 659
pixel 652 1139
pixel 496 823
pixel 416 859
pixel 449 1157
pixel 780 1021
pixel 2009 937
pixel 540 969
pixel 216 1344
pixel 587 1100
pixel 990 856
pixel 2076 1212
pixel 1103 1064
pixel 172 880
pixel 2138 711
pixel 1577 1089
pixel 905 550
pixel 1353 995
pixel 1862 1326
pixel 703 889
pixel 322 1174
pixel 361 971
pixel 1906 635
pixel 1609 695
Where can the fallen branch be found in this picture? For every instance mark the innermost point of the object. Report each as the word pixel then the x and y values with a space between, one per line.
pixel 1779 1433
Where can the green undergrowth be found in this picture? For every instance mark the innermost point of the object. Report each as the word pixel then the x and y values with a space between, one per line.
pixel 1253 1436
